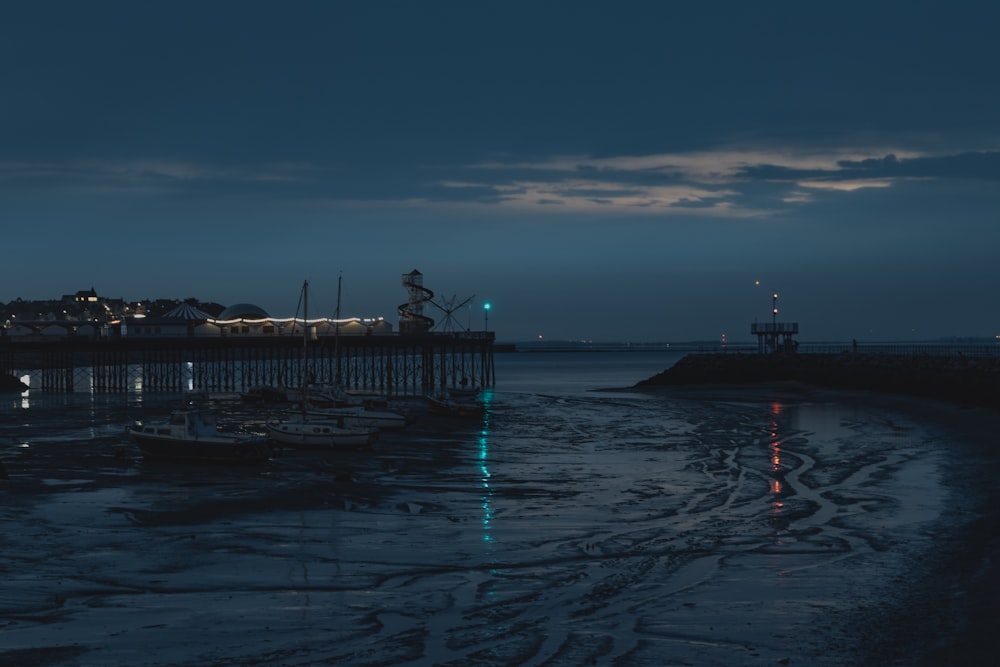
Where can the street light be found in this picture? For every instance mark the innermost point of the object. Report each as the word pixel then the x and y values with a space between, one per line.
pixel 486 315
pixel 774 309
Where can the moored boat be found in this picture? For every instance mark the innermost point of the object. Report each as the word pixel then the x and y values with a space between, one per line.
pixel 315 432
pixel 307 432
pixel 359 416
pixel 191 434
pixel 454 407
pixel 264 393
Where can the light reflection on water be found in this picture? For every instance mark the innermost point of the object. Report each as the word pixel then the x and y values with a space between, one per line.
pixel 484 454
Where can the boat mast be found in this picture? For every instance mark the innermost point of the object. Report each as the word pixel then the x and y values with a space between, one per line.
pixel 336 329
pixel 305 336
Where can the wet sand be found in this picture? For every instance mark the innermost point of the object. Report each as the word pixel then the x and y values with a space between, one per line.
pixel 945 611
pixel 784 526
pixel 950 613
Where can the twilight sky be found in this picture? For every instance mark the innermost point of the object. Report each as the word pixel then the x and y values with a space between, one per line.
pixel 619 170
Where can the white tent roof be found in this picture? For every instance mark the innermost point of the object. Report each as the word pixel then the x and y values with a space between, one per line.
pixel 187 312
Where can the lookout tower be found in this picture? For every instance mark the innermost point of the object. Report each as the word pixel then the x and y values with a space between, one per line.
pixel 775 336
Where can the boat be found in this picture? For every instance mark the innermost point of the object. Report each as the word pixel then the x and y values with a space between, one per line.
pixel 360 416
pixel 191 434
pixel 311 431
pixel 455 407
pixel 318 394
pixel 465 391
pixel 264 393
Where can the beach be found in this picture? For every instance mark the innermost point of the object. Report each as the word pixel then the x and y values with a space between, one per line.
pixel 767 525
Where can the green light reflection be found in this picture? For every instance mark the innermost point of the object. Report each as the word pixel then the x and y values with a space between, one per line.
pixel 486 499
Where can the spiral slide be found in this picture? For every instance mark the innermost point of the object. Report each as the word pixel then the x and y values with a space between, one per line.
pixel 411 313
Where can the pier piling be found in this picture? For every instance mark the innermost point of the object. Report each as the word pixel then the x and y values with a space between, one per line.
pixel 396 365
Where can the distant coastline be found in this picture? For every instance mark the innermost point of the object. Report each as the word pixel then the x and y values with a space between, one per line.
pixel 973 381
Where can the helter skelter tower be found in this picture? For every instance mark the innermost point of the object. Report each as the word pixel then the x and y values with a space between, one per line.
pixel 411 314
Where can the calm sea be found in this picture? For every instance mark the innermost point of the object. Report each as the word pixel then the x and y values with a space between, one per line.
pixel 582 371
pixel 570 526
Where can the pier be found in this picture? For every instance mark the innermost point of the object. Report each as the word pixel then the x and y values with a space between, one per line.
pixel 398 365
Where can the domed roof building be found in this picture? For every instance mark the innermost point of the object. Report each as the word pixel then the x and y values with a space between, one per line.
pixel 244 311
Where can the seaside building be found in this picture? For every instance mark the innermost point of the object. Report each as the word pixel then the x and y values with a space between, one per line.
pixel 86 315
pixel 245 320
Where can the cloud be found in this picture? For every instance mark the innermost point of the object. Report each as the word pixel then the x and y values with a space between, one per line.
pixel 602 195
pixel 721 165
pixel 727 181
pixel 974 165
pixel 845 186
pixel 148 174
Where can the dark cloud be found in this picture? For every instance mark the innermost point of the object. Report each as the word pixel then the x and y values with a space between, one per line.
pixel 977 165
pixel 984 165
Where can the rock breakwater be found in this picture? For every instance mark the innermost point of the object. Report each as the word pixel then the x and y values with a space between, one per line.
pixel 964 380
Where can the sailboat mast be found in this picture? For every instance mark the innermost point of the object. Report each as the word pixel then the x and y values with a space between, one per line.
pixel 336 328
pixel 340 280
pixel 305 333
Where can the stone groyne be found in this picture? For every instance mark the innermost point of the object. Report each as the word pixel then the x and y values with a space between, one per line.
pixel 963 380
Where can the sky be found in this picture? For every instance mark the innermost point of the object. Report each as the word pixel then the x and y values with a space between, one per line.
pixel 608 171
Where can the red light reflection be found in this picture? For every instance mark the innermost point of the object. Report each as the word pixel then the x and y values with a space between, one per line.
pixel 776 485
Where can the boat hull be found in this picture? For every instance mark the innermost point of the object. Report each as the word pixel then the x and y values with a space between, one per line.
pixel 202 450
pixel 318 434
pixel 362 418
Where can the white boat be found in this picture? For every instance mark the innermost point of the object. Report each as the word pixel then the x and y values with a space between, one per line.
pixel 191 434
pixel 360 416
pixel 309 432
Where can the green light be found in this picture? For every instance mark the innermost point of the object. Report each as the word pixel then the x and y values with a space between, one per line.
pixel 487 305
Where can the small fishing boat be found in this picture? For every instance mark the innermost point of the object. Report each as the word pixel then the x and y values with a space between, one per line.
pixel 191 434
